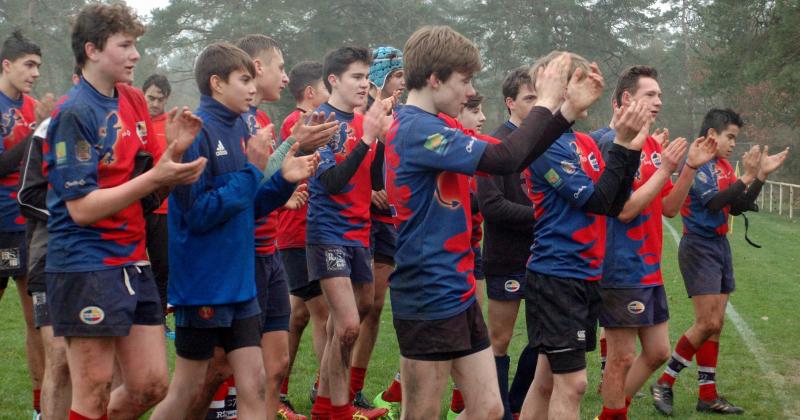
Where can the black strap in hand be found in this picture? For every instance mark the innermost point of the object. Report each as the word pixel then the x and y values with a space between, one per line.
pixel 746 227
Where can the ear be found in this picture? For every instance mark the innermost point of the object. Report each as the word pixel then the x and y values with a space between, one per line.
pixel 433 81
pixel 309 92
pixel 91 50
pixel 712 133
pixel 333 80
pixel 626 98
pixel 509 103
pixel 216 83
pixel 6 65
pixel 258 65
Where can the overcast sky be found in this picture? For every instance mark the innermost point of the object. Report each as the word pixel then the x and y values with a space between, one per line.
pixel 143 7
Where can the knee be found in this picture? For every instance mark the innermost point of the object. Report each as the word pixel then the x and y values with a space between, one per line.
pixel 500 340
pixel 622 360
pixel 364 309
pixel 656 357
pixel 376 308
pixel 277 367
pixel 711 326
pixel 150 392
pixel 299 318
pixel 544 390
pixel 348 334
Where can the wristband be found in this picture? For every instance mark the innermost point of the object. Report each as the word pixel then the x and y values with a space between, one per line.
pixel 692 167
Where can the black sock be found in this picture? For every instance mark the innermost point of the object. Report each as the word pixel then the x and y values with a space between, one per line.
pixel 502 363
pixel 526 367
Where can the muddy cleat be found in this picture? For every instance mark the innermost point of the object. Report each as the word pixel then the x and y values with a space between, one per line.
pixel 719 406
pixel 371 414
pixel 360 401
pixel 286 410
pixel 393 407
pixel 662 398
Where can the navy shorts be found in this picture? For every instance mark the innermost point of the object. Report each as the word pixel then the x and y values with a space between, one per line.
pixel 103 303
pixel 198 329
pixel 328 261
pixel 706 265
pixel 273 293
pixel 296 267
pixel 443 339
pixel 13 256
pixel 478 270
pixel 507 288
pixel 633 307
pixel 41 311
pixel 383 242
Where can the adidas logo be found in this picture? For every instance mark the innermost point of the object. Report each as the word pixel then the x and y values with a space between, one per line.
pixel 221 149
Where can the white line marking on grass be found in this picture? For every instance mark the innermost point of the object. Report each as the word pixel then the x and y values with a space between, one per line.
pixel 752 343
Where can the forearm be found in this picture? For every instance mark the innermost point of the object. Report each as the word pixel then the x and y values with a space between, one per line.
pixel 206 209
pixel 273 193
pixel 376 169
pixel 640 199
pixel 746 201
pixel 337 177
pixel 538 131
pixel 277 157
pixel 671 204
pixel 726 196
pixel 105 202
pixel 610 189
pixel 11 158
pixel 496 208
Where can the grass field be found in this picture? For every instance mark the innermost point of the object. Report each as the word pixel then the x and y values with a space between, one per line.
pixel 766 383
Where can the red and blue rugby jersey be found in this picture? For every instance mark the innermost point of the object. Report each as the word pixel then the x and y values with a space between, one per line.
pixel 567 241
pixel 344 218
pixel 92 142
pixel 711 178
pixel 266 226
pixel 17 121
pixel 633 249
pixel 291 223
pixel 428 165
pixel 160 135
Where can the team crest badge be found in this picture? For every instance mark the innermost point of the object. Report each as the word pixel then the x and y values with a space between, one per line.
pixel 83 150
pixel 656 158
pixel 511 286
pixel 92 315
pixel 636 307
pixel 141 131
pixel 593 162
pixel 206 312
pixel 568 167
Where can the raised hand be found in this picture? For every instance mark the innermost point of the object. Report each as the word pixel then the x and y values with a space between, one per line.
pixel 259 147
pixel 298 199
pixel 380 199
pixel 672 155
pixel 751 160
pixel 297 168
pixel 313 130
pixel 632 123
pixel 551 82
pixel 770 164
pixel 168 172
pixel 181 129
pixel 583 90
pixel 375 122
pixel 661 136
pixel 702 150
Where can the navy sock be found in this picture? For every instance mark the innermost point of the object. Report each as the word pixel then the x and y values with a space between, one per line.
pixel 502 363
pixel 526 367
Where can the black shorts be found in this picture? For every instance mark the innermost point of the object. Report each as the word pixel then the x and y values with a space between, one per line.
pixel 273 293
pixel 562 316
pixel 443 339
pixel 383 242
pixel 198 329
pixel 706 265
pixel 41 311
pixel 506 288
pixel 13 256
pixel 328 261
pixel 198 343
pixel 633 307
pixel 36 236
pixel 158 251
pixel 296 267
pixel 103 303
pixel 478 269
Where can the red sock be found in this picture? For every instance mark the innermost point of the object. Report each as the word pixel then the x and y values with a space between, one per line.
pixel 342 412
pixel 357 375
pixel 75 416
pixel 285 386
pixel 681 357
pixel 322 406
pixel 37 398
pixel 614 413
pixel 395 391
pixel 707 356
pixel 457 403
